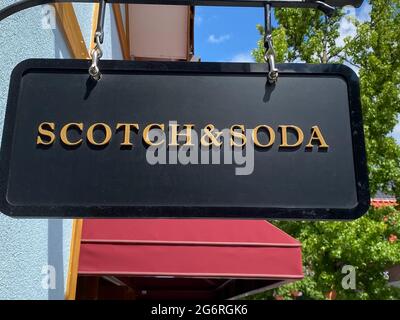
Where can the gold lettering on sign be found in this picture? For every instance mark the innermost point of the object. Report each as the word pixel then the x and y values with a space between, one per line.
pixel 284 142
pixel 187 134
pixel 107 137
pixel 210 136
pixel 64 135
pixel 271 133
pixel 146 134
pixel 127 132
pixel 240 135
pixel 316 135
pixel 46 133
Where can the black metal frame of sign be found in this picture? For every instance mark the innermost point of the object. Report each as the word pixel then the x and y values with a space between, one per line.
pixel 326 5
pixel 56 181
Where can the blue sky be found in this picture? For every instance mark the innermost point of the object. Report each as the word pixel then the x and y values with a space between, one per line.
pixel 228 34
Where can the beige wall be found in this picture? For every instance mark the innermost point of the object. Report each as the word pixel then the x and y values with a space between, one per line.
pixel 159 32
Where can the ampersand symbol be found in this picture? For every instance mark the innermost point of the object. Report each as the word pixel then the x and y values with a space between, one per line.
pixel 210 137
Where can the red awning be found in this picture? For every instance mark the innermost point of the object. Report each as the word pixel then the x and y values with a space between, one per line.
pixel 190 248
pixel 383 202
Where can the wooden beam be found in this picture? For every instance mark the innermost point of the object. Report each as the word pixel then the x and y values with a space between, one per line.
pixel 190 26
pixel 127 22
pixel 95 17
pixel 69 25
pixel 70 292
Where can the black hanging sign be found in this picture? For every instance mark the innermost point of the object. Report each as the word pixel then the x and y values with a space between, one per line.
pixel 179 139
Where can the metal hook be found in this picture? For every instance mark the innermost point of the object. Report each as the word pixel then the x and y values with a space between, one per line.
pixel 97 52
pixel 269 48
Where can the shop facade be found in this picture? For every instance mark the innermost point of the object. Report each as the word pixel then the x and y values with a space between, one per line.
pixel 35 253
pixel 128 259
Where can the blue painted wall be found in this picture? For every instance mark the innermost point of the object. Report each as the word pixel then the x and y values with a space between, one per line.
pixel 28 246
pixel 111 46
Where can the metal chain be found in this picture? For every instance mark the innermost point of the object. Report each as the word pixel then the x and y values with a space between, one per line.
pixel 269 55
pixel 96 53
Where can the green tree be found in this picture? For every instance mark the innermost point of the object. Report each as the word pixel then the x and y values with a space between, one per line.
pixel 370 243
pixel 305 35
pixel 376 51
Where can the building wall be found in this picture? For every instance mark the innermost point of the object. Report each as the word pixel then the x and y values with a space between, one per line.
pixel 111 44
pixel 28 246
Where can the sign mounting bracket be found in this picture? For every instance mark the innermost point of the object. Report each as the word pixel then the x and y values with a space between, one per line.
pixel 327 6
pixel 269 56
pixel 97 52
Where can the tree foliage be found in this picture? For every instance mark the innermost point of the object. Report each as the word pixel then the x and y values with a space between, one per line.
pixel 376 50
pixel 370 243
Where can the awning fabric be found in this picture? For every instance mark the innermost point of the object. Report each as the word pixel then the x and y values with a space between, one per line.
pixel 383 202
pixel 240 249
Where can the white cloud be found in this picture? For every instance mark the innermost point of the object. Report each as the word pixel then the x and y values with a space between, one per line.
pixel 364 13
pixel 218 39
pixel 198 20
pixel 242 57
pixel 346 28
pixel 298 60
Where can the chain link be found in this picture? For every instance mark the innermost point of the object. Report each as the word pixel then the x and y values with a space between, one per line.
pixel 269 57
pixel 96 53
